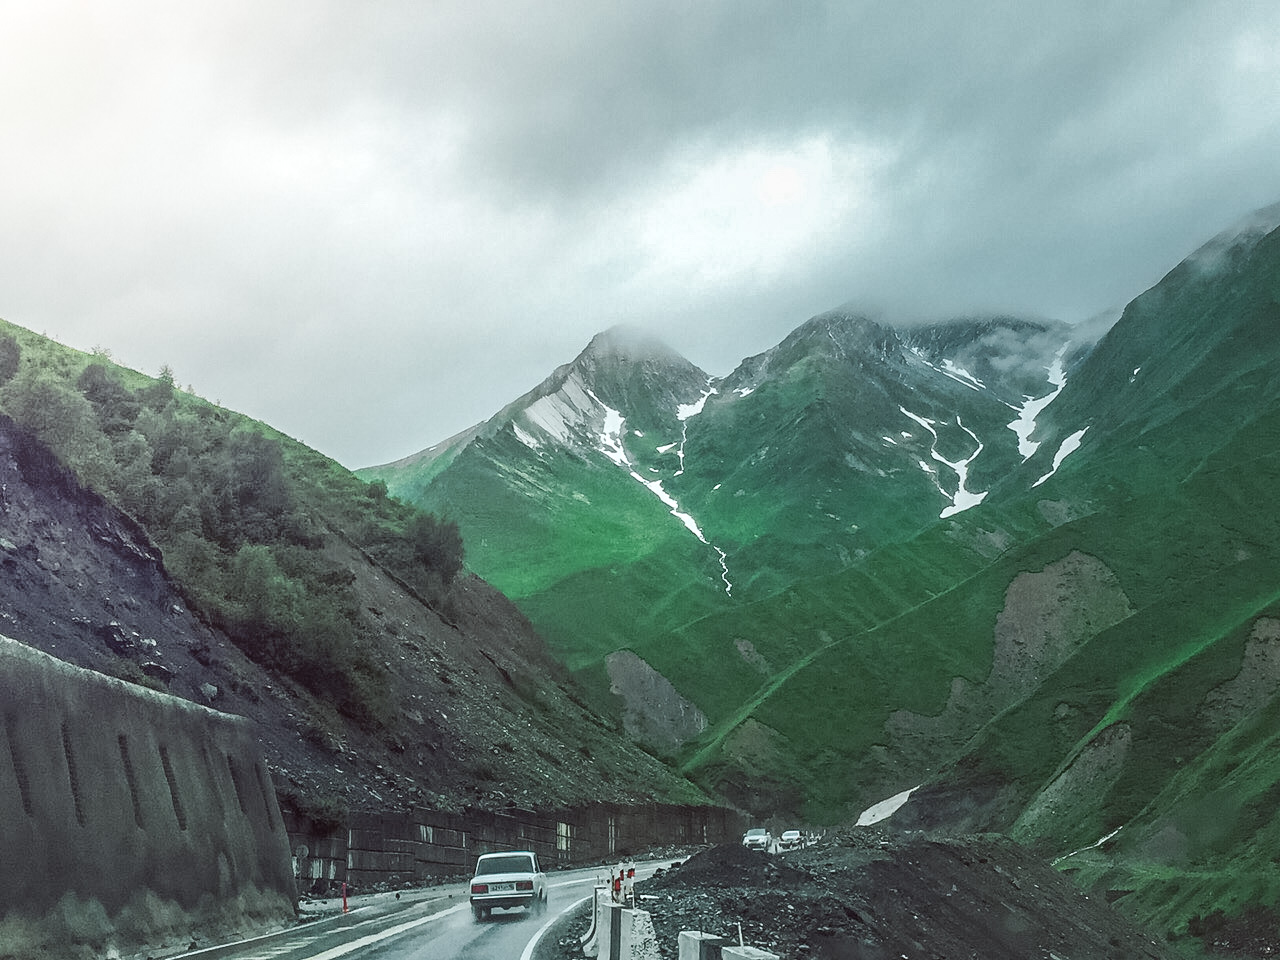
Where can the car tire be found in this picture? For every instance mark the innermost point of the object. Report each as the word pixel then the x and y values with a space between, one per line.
pixel 481 913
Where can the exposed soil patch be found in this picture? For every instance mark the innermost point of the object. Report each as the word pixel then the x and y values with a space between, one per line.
pixel 1047 616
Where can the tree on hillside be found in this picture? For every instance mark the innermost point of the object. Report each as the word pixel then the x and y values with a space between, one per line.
pixel 160 392
pixel 436 544
pixel 271 600
pixel 244 494
pixel 10 355
pixel 57 414
pixel 115 404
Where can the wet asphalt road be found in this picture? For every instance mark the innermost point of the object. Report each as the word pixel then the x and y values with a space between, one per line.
pixel 434 924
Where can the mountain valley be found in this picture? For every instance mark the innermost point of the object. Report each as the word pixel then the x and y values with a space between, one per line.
pixel 1021 579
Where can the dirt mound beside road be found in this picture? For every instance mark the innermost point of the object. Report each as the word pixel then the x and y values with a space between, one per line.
pixel 866 895
pixel 731 865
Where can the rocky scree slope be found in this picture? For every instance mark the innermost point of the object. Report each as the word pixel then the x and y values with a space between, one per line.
pixel 877 895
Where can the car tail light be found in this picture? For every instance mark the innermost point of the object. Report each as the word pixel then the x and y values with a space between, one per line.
pixel 524 884
pixel 479 888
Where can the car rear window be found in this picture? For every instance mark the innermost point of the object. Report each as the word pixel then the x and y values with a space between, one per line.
pixel 512 864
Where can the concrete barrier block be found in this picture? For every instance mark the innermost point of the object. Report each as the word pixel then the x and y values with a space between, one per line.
pixel 637 939
pixel 697 945
pixel 610 935
pixel 591 939
pixel 746 953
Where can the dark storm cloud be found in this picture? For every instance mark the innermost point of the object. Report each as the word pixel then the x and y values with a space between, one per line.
pixel 374 224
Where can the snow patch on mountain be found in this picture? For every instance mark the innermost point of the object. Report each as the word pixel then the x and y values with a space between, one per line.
pixel 612 446
pixel 948 368
pixel 684 412
pixel 1025 424
pixel 961 375
pixel 527 439
pixel 1093 846
pixel 962 499
pixel 655 487
pixel 1065 449
pixel 885 808
pixel 558 413
pixel 611 435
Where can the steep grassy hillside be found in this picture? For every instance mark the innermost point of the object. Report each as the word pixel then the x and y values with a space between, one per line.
pixel 1162 726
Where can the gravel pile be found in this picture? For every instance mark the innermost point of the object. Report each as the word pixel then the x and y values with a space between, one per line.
pixel 870 896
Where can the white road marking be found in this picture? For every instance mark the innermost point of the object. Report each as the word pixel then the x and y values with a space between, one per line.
pixel 387 934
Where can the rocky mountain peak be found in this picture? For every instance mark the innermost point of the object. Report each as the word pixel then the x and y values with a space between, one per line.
pixel 1237 240
pixel 626 343
pixel 629 370
pixel 848 330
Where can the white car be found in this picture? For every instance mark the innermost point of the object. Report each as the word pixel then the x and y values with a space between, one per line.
pixel 791 839
pixel 509 879
pixel 757 838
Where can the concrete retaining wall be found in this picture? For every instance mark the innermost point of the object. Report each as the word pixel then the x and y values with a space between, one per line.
pixel 132 819
pixel 423 844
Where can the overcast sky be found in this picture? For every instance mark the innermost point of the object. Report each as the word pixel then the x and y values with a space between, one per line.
pixel 372 224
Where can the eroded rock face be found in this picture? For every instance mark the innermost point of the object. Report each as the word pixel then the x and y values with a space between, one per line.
pixel 1257 682
pixel 1047 616
pixel 654 713
pixel 82 581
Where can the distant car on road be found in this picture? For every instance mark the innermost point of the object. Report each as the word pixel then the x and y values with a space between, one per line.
pixel 509 879
pixel 757 838
pixel 791 839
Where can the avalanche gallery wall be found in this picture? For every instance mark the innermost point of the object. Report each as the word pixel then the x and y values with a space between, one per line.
pixel 131 818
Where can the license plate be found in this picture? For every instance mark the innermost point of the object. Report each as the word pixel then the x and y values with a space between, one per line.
pixel 501 887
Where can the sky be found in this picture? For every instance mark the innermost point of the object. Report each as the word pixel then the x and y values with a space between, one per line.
pixel 373 223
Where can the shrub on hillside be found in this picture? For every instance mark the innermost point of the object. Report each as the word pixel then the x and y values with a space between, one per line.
pixel 239 513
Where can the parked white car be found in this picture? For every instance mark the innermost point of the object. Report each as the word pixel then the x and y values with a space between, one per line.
pixel 757 838
pixel 509 879
pixel 791 840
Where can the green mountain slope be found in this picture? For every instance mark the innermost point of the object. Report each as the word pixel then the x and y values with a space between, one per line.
pixel 712 498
